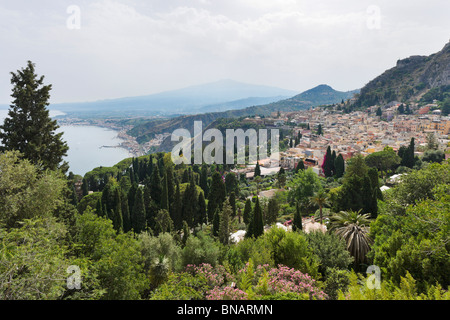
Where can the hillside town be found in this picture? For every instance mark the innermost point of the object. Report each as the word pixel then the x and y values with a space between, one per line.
pixel 353 133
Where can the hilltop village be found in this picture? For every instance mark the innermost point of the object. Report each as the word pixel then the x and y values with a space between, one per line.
pixel 353 133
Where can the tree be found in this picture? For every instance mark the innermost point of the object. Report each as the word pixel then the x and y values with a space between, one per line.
pixel 383 160
pixel 247 211
pixel 303 186
pixel 165 193
pixel 163 222
pixel 177 210
pixel 272 211
pixel 433 156
pixel 330 249
pixel 281 178
pixel 353 227
pixel 320 198
pixel 407 155
pixel 200 216
pixel 138 214
pixel 300 166
pixel 379 112
pixel 217 194
pixel 432 143
pixel 33 260
pixel 257 170
pixel 200 249
pixel 155 186
pixel 204 180
pixel 25 193
pixel 258 181
pixel 28 127
pixel 297 224
pixel 319 130
pixel 189 203
pixel 327 165
pixel 231 183
pixel 224 225
pixel 216 223
pixel 339 164
pixel 258 223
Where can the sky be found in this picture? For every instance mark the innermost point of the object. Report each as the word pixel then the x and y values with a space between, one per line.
pixel 104 49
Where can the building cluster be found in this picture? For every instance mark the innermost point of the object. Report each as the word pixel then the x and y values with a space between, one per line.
pixel 354 133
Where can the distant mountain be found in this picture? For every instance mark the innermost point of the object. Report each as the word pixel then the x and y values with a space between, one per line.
pixel 320 95
pixel 227 94
pixel 409 80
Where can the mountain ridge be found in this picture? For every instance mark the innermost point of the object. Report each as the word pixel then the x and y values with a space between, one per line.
pixel 186 100
pixel 408 80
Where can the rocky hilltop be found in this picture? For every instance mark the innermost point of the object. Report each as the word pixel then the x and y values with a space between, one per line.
pixel 409 80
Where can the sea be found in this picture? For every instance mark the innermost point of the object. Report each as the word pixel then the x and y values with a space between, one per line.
pixel 86 145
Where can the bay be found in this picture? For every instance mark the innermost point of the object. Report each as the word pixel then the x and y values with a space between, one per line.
pixel 86 146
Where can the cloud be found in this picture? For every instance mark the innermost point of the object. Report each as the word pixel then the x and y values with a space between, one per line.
pixel 128 48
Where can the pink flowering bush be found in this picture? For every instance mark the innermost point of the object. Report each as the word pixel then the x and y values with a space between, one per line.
pixel 227 293
pixel 287 280
pixel 215 276
pixel 251 283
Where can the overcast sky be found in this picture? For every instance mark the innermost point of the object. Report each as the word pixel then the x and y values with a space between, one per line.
pixel 128 48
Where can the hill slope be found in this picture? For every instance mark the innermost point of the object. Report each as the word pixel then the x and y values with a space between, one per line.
pixel 408 80
pixel 319 95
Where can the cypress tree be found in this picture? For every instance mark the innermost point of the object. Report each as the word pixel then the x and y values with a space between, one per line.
pixel 165 194
pixel 177 210
pixel 216 222
pixel 155 186
pixel 126 213
pixel 297 223
pixel 257 170
pixel 190 201
pixel 85 187
pixel 332 162
pixel 224 224
pixel 272 211
pixel 320 130
pixel 132 196
pixel 231 183
pixel 247 211
pixel 138 214
pixel 204 180
pixel 300 166
pixel 186 232
pixel 232 200
pixel 339 165
pixel 99 208
pixel 28 127
pixel 326 166
pixel 117 218
pixel 170 186
pixel 258 227
pixel 201 210
pixel 217 194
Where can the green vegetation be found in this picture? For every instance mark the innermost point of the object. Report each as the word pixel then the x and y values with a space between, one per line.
pixel 148 229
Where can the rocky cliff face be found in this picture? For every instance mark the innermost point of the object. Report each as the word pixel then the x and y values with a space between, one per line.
pixel 408 80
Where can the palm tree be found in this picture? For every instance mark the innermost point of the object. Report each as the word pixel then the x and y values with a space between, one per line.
pixel 353 227
pixel 320 198
pixel 160 271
